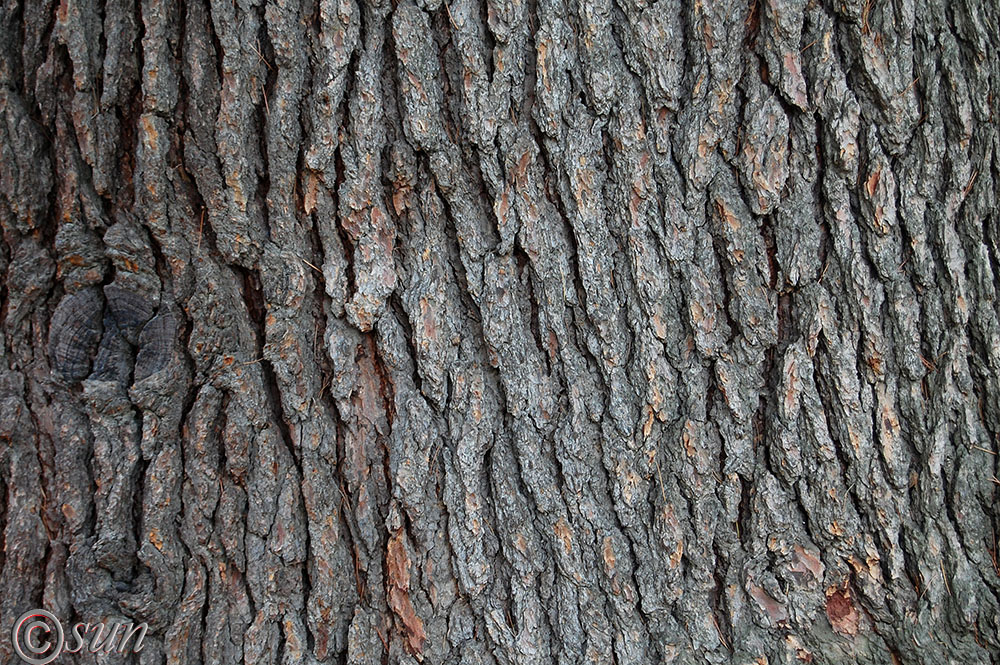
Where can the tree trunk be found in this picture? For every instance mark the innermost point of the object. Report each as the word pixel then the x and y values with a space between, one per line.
pixel 508 332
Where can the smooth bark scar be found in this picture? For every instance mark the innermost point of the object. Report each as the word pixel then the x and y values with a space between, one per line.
pixel 74 333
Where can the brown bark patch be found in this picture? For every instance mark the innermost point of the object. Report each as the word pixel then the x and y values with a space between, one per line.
pixel 398 564
pixel 840 610
pixel 774 609
pixel 806 562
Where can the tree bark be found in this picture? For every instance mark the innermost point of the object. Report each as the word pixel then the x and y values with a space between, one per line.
pixel 508 332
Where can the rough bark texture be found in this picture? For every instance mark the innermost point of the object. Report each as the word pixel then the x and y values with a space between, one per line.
pixel 522 331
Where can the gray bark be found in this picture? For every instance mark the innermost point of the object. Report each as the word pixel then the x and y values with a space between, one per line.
pixel 558 331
